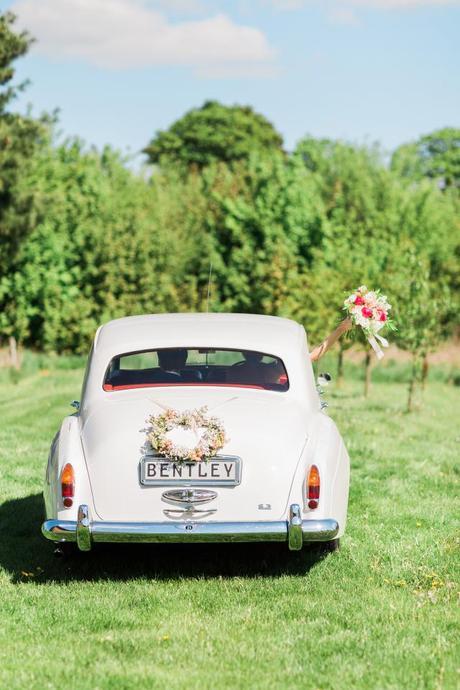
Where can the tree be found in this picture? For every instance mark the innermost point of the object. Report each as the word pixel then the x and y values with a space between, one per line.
pixel 214 132
pixel 98 251
pixel 265 219
pixel 419 311
pixel 19 139
pixel 432 219
pixel 423 272
pixel 435 156
pixel 361 200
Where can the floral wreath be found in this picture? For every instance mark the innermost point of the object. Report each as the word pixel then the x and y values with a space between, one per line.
pixel 211 441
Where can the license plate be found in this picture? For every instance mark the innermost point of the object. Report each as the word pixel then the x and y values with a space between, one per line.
pixel 224 471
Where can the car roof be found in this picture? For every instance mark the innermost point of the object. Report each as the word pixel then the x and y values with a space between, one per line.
pixel 246 331
pixel 273 335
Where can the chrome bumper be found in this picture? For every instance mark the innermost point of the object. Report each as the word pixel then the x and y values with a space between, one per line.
pixel 84 531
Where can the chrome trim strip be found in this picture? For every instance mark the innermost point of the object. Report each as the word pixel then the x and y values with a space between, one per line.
pixel 319 530
pixel 191 531
pixel 295 535
pixel 181 481
pixel 83 528
pixel 189 511
pixel 60 530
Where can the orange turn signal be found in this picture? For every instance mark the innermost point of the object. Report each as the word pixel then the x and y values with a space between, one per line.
pixel 313 487
pixel 67 485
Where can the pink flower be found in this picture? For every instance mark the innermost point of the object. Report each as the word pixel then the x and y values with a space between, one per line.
pixel 383 316
pixel 359 300
pixel 366 312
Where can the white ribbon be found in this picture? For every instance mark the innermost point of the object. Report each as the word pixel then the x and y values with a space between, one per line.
pixel 375 346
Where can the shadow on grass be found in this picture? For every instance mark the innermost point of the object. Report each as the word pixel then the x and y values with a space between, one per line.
pixel 27 557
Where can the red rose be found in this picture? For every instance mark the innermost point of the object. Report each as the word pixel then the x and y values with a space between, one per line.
pixel 359 300
pixel 366 312
pixel 383 316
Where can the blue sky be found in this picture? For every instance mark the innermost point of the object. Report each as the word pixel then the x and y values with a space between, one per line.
pixel 362 70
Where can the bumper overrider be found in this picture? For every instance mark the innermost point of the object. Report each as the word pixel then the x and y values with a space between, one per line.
pixel 294 531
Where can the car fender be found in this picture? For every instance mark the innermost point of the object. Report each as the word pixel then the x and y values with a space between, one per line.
pixel 66 447
pixel 325 449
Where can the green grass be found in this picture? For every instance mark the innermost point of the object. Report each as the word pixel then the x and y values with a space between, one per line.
pixel 380 613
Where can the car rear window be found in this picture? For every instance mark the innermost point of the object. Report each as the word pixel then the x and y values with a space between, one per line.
pixel 196 367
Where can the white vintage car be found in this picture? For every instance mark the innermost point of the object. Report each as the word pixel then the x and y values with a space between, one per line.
pixel 282 475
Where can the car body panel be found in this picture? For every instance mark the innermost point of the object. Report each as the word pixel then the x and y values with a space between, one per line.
pixel 277 435
pixel 114 443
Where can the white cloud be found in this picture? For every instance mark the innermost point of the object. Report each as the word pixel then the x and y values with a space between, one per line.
pixel 128 33
pixel 334 5
pixel 183 7
pixel 400 4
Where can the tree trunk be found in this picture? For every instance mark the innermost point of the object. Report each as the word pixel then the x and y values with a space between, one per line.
pixel 340 367
pixel 412 382
pixel 425 369
pixel 367 374
pixel 14 355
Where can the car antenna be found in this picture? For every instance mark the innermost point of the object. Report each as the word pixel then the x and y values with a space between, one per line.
pixel 209 286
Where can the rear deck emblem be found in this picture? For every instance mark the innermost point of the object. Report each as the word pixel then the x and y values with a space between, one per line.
pixel 189 495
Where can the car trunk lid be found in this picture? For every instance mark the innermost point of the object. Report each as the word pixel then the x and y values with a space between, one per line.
pixel 265 429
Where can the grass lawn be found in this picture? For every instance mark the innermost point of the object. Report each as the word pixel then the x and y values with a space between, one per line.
pixel 380 613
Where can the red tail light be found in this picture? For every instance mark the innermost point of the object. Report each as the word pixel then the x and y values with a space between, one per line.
pixel 67 485
pixel 313 487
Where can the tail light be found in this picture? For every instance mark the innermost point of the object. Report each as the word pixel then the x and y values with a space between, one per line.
pixel 313 487
pixel 67 485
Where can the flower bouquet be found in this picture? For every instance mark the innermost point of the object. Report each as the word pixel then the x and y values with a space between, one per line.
pixel 369 310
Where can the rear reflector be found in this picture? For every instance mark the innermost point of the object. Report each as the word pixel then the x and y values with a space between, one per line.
pixel 67 485
pixel 313 487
